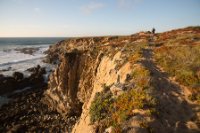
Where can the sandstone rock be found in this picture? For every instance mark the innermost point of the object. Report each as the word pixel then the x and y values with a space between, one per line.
pixel 85 64
pixel 117 89
pixel 109 130
pixel 68 74
pixel 80 75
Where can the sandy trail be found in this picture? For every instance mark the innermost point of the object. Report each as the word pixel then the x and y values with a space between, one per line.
pixel 176 113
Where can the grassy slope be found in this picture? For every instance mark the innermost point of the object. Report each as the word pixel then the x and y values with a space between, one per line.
pixel 177 54
pixel 180 58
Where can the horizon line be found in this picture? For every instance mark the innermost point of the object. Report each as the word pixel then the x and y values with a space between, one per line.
pixel 82 36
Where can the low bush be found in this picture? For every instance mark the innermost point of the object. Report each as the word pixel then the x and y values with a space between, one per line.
pixel 182 62
pixel 100 106
pixel 124 105
pixel 114 111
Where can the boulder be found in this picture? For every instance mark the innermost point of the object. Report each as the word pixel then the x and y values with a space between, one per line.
pixel 17 81
pixel 116 90
pixel 18 76
pixel 7 84
pixel 30 51
pixel 36 70
pixel 1 77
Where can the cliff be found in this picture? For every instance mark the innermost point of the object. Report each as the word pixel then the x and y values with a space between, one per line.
pixel 128 83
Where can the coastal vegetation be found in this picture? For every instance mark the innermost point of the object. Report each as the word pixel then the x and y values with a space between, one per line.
pixel 183 63
pixel 108 110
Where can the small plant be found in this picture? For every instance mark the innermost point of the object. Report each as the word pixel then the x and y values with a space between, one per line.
pixel 141 76
pixel 100 106
pixel 135 57
pixel 195 97
pixel 116 111
pixel 125 104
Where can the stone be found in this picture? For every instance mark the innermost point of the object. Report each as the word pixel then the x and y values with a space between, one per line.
pixel 18 76
pixel 117 89
pixel 109 129
pixel 30 51
pixel 17 81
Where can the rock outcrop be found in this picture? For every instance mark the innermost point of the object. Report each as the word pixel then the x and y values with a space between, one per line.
pixel 18 81
pixel 88 66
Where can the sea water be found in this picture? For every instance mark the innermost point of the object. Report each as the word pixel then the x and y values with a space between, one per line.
pixel 11 59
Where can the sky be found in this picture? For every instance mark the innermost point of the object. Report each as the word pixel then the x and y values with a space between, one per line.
pixel 74 18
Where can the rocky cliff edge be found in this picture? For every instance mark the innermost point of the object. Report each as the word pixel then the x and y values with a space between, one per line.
pixel 114 84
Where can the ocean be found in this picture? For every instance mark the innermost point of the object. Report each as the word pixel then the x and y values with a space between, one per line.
pixel 19 54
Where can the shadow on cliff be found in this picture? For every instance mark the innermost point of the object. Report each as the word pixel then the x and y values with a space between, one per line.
pixel 173 111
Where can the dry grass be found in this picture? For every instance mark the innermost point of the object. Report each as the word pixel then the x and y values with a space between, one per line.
pixel 111 111
pixel 182 62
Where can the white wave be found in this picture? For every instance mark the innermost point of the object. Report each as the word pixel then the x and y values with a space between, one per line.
pixel 11 55
pixel 19 61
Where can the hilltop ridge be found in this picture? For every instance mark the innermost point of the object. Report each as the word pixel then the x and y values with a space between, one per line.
pixel 137 83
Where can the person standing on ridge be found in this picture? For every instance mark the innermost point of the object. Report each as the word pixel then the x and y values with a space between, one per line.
pixel 153 31
pixel 151 39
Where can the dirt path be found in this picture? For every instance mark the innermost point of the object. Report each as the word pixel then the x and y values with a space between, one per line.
pixel 175 113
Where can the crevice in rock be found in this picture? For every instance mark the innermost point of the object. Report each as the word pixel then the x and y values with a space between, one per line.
pixel 74 74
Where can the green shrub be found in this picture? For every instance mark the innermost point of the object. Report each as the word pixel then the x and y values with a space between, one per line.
pixel 100 106
pixel 186 77
pixel 114 111
pixel 124 105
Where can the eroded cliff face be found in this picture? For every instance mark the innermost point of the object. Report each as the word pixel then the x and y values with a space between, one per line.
pixel 125 66
pixel 72 82
pixel 106 75
pixel 82 72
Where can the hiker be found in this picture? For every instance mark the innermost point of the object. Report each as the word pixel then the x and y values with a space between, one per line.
pixel 152 37
pixel 153 31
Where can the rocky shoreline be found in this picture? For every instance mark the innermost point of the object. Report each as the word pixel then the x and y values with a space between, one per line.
pixel 25 109
pixel 27 113
pixel 18 81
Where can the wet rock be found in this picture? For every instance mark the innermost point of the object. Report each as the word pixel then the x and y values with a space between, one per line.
pixel 30 51
pixel 34 116
pixel 18 76
pixel 7 82
pixel 37 75
pixel 36 69
pixel 17 81
pixel 6 50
